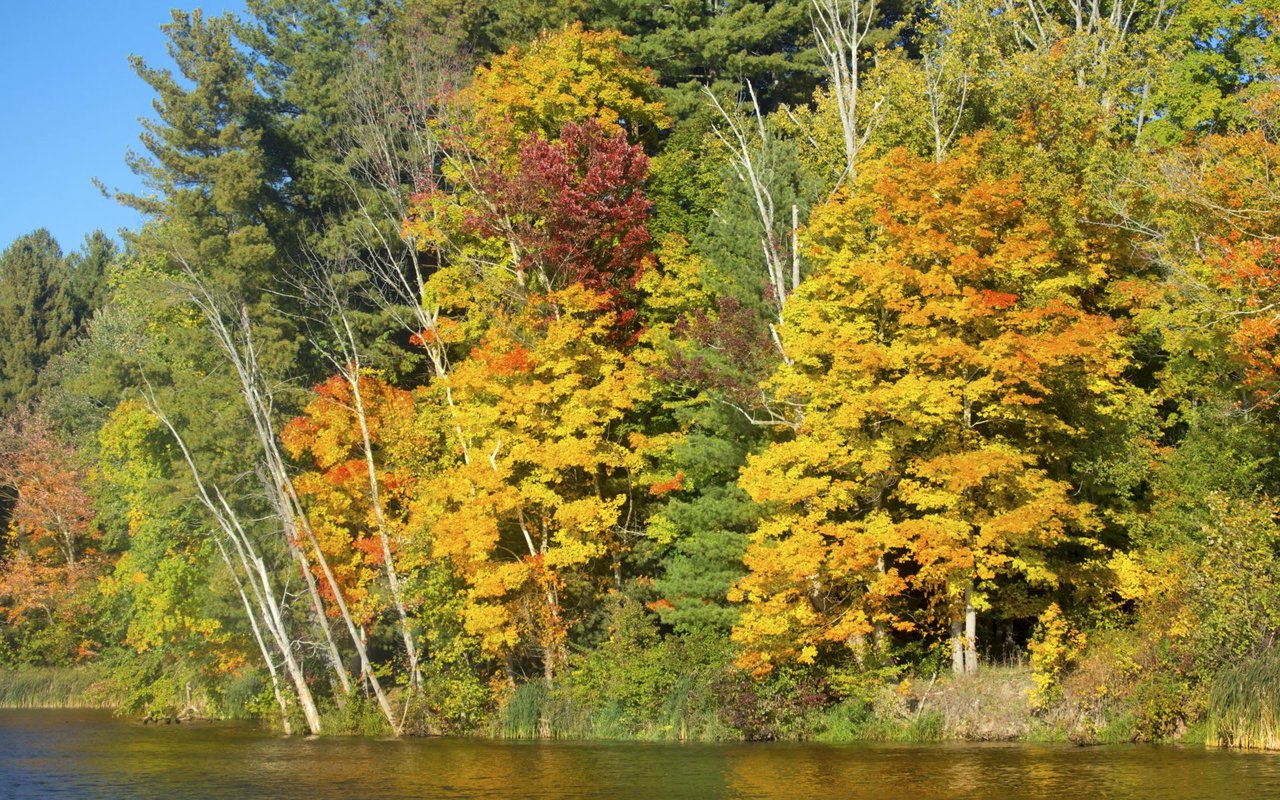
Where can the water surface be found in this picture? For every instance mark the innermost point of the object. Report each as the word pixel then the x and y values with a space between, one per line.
pixel 66 754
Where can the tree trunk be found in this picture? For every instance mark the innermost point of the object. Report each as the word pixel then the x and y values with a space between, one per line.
pixel 281 493
pixel 322 622
pixel 352 375
pixel 262 644
pixel 970 633
pixel 957 646
pixel 255 573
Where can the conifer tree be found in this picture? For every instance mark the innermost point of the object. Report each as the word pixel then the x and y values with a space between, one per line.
pixel 36 314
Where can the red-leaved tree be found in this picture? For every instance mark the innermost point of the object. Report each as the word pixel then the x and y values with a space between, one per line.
pixel 574 211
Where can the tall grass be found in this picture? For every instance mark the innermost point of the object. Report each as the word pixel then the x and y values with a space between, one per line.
pixel 55 687
pixel 1244 705
pixel 535 712
pixel 522 716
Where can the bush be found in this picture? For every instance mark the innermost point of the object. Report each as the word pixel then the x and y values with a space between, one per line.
pixel 778 706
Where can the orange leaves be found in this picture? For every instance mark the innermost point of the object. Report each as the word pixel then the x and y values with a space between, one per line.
pixel 938 323
pixel 337 488
pixel 52 513
pixel 998 301
pixel 516 360
pixel 665 487
pixel 1223 195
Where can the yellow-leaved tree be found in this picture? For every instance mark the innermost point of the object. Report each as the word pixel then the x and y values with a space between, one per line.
pixel 937 365
pixel 571 75
pixel 530 510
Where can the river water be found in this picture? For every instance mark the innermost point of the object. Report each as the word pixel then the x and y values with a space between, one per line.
pixel 64 754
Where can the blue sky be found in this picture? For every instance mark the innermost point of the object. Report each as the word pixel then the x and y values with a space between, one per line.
pixel 69 108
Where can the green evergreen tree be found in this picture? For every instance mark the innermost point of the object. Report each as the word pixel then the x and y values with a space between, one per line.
pixel 89 268
pixel 215 158
pixel 37 319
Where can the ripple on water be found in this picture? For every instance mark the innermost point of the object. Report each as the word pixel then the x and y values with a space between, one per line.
pixel 75 754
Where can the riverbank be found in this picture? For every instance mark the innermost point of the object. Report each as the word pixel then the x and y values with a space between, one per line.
pixel 994 705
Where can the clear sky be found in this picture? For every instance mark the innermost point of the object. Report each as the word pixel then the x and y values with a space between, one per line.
pixel 69 108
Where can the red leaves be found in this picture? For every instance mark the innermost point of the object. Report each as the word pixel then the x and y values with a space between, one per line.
pixel 575 211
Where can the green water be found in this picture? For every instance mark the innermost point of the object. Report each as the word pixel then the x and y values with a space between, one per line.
pixel 61 754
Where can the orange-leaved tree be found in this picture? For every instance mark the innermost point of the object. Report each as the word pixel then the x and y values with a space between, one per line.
pixel 48 554
pixel 337 487
pixel 933 364
pixel 1218 208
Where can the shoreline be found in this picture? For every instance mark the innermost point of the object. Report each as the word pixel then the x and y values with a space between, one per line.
pixel 993 706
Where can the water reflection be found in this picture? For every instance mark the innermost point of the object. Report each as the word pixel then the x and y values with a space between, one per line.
pixel 51 754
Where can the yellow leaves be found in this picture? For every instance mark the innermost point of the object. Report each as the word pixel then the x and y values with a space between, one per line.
pixel 683 283
pixel 941 318
pixel 1133 580
pixel 492 623
pixel 1054 647
pixel 537 496
pixel 572 75
pixel 498 579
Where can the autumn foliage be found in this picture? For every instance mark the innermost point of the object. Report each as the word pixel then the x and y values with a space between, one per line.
pixel 927 361
pixel 724 378
pixel 573 211
pixel 49 554
pixel 336 486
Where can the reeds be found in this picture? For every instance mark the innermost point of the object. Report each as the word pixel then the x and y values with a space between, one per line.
pixel 1244 705
pixel 522 716
pixel 533 711
pixel 54 687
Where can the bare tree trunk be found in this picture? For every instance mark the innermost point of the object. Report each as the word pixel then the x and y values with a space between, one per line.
pixel 737 140
pixel 957 646
pixel 840 28
pixel 550 655
pixel 393 577
pixel 254 571
pixel 242 355
pixel 262 645
pixel 970 632
pixel 964 636
pixel 941 110
pixel 322 622
pixel 320 291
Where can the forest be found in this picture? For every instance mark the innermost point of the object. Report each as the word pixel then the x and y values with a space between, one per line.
pixel 749 369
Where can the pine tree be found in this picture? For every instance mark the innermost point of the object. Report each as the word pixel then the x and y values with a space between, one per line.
pixel 36 316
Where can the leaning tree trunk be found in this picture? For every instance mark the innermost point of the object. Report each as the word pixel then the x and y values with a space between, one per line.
pixel 256 574
pixel 242 356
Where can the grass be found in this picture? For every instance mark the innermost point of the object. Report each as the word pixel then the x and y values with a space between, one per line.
pixel 1244 706
pixel 992 705
pixel 54 687
pixel 522 716
pixel 855 721
pixel 535 712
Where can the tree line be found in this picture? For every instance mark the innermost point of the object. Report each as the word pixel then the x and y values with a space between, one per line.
pixel 684 366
